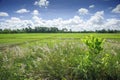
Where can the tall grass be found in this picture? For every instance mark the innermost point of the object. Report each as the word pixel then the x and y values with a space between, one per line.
pixel 63 61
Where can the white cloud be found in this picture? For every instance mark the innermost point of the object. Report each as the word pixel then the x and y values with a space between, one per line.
pixel 22 11
pixel 95 22
pixel 116 9
pixel 42 3
pixel 36 18
pixel 112 24
pixel 97 18
pixel 91 6
pixel 13 20
pixel 35 12
pixel 4 14
pixel 16 23
pixel 39 22
pixel 83 11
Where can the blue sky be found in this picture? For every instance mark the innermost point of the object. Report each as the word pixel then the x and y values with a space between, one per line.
pixel 71 14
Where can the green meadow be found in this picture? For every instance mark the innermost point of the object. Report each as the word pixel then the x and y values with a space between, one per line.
pixel 60 56
pixel 8 39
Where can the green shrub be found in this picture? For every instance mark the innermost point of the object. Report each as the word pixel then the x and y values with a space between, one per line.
pixel 95 44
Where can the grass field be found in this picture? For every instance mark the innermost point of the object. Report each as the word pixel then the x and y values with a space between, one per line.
pixel 11 39
pixel 60 56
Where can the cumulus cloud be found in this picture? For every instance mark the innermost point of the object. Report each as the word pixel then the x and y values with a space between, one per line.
pixel 83 11
pixel 15 23
pixel 42 3
pixel 113 24
pixel 4 14
pixel 98 22
pixel 91 6
pixel 20 11
pixel 95 22
pixel 97 18
pixel 13 20
pixel 38 21
pixel 35 12
pixel 116 9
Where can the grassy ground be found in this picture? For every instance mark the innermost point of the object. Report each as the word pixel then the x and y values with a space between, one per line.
pixel 58 56
pixel 8 39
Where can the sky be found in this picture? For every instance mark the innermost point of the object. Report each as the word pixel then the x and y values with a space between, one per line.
pixel 78 15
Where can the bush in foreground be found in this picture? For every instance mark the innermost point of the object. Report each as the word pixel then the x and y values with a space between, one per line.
pixel 63 61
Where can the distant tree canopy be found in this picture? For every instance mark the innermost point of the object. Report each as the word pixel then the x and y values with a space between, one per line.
pixel 30 30
pixel 53 30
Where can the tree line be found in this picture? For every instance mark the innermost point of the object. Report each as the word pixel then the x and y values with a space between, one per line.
pixel 31 30
pixel 53 30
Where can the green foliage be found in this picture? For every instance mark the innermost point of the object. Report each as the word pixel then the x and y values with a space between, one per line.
pixel 94 44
